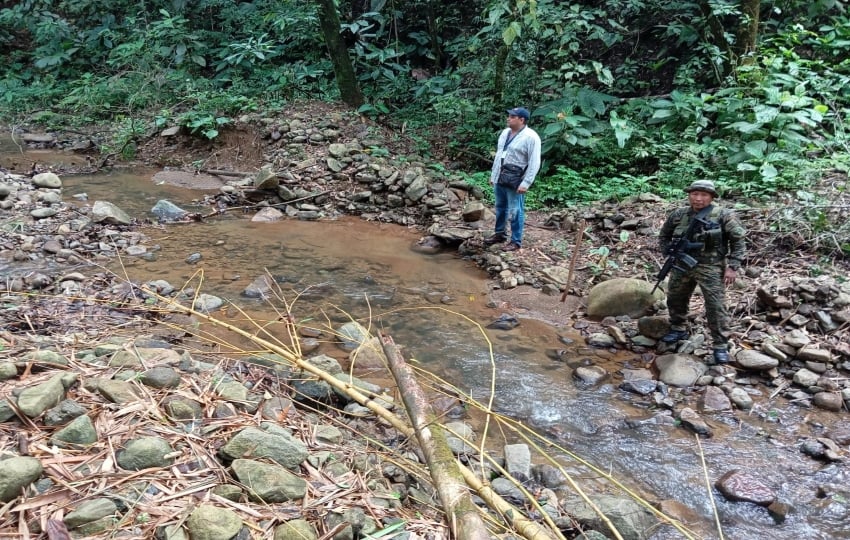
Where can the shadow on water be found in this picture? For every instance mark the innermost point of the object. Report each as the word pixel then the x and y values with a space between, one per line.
pixel 436 305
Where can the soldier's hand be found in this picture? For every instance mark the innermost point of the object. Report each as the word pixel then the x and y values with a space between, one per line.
pixel 729 276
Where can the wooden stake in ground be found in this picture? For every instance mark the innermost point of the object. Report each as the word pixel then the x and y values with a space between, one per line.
pixel 573 259
pixel 463 516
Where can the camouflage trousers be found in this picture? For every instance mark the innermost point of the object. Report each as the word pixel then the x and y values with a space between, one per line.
pixel 681 287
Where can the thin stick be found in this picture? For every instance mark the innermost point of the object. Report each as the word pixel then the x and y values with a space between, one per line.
pixel 573 259
pixel 708 487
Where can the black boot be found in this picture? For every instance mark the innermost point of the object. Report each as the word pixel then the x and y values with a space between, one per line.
pixel 494 239
pixel 721 356
pixel 675 335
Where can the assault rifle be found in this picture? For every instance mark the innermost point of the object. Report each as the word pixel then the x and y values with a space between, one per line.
pixel 677 258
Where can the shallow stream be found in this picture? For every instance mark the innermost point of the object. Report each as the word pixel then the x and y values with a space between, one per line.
pixel 432 306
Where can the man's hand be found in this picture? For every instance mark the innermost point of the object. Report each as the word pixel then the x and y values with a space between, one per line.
pixel 521 190
pixel 729 276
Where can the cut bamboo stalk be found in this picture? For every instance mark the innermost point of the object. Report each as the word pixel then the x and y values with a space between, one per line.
pixel 528 528
pixel 573 259
pixel 463 516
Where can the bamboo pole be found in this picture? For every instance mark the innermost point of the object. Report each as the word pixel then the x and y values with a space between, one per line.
pixel 464 519
pixel 573 259
pixel 526 527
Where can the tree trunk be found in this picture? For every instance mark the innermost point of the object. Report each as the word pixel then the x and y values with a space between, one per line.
pixel 346 80
pixel 748 30
pixel 434 36
pixel 499 74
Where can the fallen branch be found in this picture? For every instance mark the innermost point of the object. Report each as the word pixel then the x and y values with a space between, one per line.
pixel 258 205
pixel 216 172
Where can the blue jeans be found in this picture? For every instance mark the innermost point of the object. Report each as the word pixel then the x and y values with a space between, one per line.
pixel 510 207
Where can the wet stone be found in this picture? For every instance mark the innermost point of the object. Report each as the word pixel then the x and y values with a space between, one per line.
pixel 806 378
pixel 89 511
pixel 181 408
pixel 714 400
pixel 692 421
pixel 741 398
pixel 643 387
pixel 779 511
pixel 741 486
pixel 8 370
pixel 144 453
pixel 831 401
pixel 212 522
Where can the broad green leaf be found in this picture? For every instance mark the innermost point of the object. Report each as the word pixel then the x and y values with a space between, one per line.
pixel 512 32
pixel 745 127
pixel 765 114
pixel 767 170
pixel 756 148
pixel 553 128
pixel 661 114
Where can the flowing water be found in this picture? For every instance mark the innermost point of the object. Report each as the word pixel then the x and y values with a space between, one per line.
pixel 430 304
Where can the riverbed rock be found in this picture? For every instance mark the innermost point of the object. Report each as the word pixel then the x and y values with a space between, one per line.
pixel 741 398
pixel 209 522
pixel 518 461
pixel 694 422
pixel 267 215
pixel 813 354
pixel 633 521
pixel 590 375
pixel 34 400
pixel 47 180
pixel 16 473
pixel 268 483
pixel 80 432
pixel 108 213
pixel 168 211
pixel 755 361
pixel 714 400
pixel 738 485
pixel 831 401
pixel 144 453
pixel 261 287
pixel 806 378
pixel 680 370
pixel 277 445
pixel 621 296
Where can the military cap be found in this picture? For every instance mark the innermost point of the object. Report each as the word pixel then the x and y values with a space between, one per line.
pixel 702 185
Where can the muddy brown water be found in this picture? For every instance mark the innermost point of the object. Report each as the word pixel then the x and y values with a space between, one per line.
pixel 435 306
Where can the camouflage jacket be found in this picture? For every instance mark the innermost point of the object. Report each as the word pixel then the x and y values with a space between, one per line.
pixel 723 240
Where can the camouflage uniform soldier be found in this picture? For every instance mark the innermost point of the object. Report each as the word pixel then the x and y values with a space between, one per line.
pixel 719 258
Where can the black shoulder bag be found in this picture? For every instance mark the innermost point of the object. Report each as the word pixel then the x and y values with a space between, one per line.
pixel 510 176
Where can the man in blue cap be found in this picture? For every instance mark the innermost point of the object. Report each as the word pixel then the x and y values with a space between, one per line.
pixel 514 168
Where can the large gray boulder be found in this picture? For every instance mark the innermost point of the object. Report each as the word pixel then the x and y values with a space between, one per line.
pixel 679 370
pixel 621 296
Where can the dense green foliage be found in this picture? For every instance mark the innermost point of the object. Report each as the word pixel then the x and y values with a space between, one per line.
pixel 628 95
